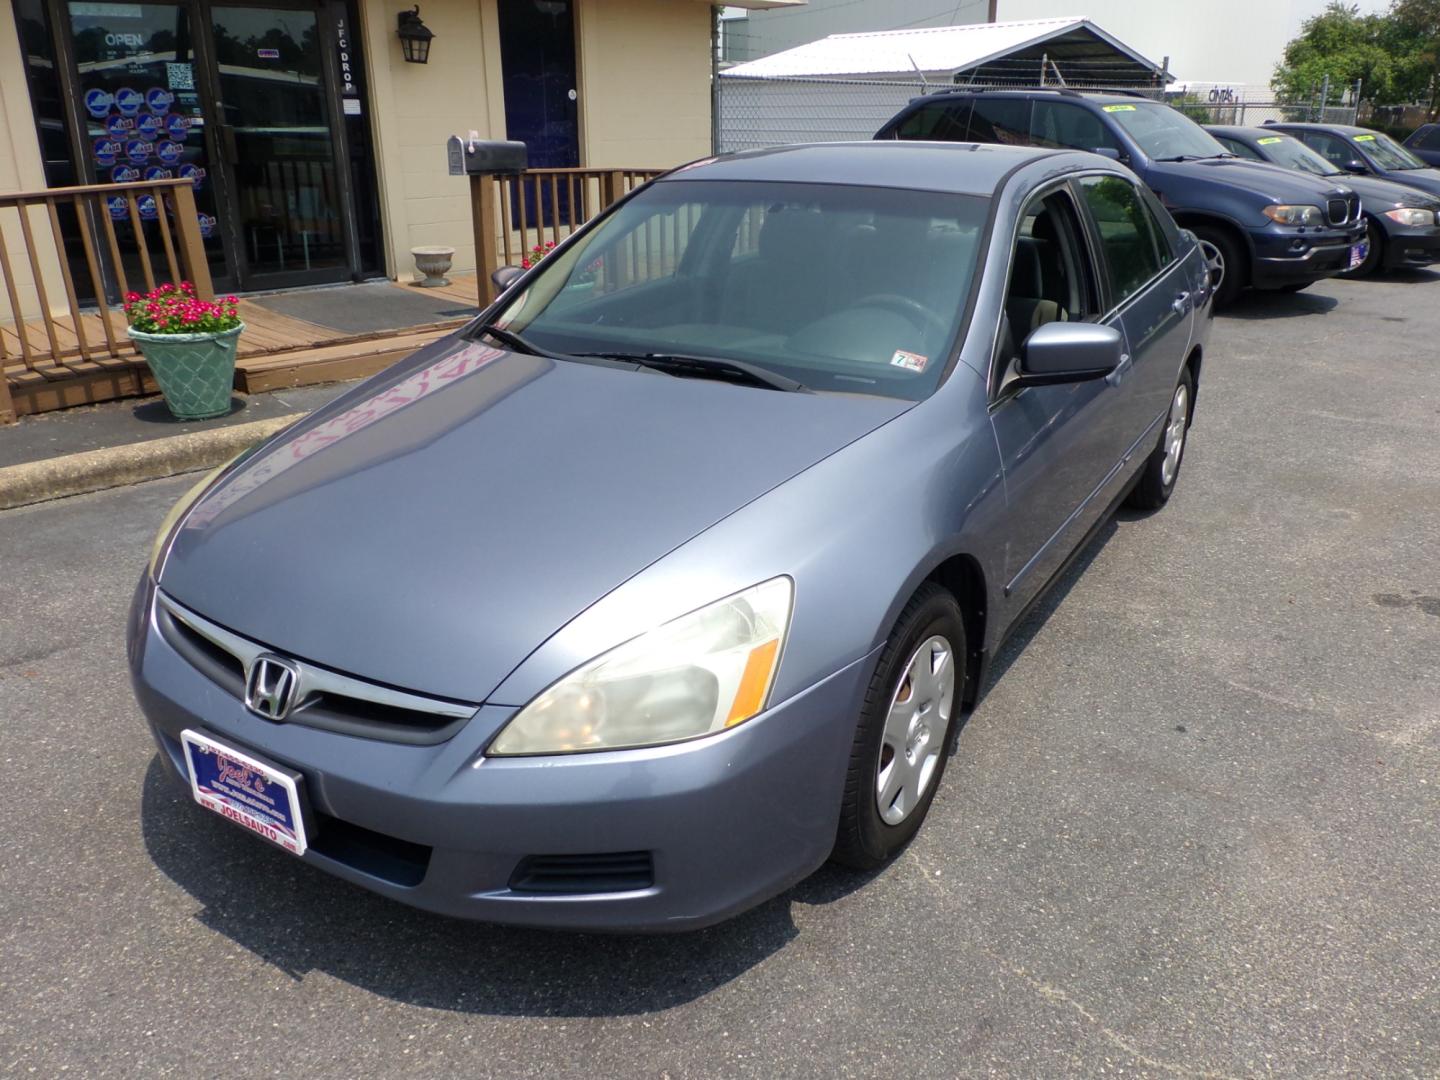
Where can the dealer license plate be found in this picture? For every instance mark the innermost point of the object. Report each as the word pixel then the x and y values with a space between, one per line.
pixel 1358 252
pixel 262 798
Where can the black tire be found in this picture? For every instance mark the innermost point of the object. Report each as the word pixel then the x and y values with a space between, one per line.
pixel 865 840
pixel 1153 489
pixel 1231 261
pixel 1374 256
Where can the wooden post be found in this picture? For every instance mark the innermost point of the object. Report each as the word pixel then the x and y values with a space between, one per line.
pixel 192 245
pixel 7 405
pixel 612 187
pixel 487 242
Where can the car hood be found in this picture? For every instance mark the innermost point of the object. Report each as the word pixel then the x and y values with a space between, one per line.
pixel 1274 183
pixel 433 527
pixel 1427 180
pixel 1377 194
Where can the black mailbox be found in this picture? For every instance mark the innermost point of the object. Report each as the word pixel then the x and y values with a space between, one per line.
pixel 482 157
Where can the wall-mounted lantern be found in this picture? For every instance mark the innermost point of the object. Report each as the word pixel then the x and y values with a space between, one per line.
pixel 415 37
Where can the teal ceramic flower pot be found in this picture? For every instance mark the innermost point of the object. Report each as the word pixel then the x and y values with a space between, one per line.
pixel 196 372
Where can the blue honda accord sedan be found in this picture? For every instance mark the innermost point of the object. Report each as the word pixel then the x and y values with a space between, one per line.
pixel 673 575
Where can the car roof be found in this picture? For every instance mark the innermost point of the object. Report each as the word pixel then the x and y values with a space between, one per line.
pixel 1343 129
pixel 953 167
pixel 1099 97
pixel 1241 131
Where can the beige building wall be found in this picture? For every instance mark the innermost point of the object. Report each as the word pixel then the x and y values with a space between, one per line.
pixel 644 82
pixel 21 170
pixel 643 73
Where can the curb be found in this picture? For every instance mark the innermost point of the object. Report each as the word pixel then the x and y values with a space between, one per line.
pixel 132 463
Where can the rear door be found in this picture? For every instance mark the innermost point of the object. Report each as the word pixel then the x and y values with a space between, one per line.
pixel 1147 290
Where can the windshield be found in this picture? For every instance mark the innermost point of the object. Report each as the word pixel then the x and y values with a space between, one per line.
pixel 854 289
pixel 1293 154
pixel 1388 154
pixel 1162 133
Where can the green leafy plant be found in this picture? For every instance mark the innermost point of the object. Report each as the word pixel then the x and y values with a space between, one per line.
pixel 175 309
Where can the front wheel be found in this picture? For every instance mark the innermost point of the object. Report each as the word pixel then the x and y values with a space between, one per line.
pixel 1373 256
pixel 907 727
pixel 1225 261
pixel 1162 468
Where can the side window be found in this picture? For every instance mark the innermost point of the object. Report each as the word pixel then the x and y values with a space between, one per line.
pixel 1129 233
pixel 1000 120
pixel 1062 125
pixel 1051 278
pixel 1330 148
pixel 1427 138
pixel 943 122
pixel 1239 149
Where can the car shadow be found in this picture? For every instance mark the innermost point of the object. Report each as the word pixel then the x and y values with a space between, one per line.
pixel 1408 276
pixel 1254 304
pixel 301 920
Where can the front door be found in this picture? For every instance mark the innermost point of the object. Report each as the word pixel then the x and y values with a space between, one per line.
pixel 276 124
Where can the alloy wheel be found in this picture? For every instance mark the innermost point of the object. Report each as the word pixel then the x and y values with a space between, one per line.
pixel 1215 261
pixel 1175 434
pixel 915 729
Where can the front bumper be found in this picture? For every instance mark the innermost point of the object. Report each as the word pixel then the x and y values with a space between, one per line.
pixel 1407 246
pixel 725 822
pixel 1288 257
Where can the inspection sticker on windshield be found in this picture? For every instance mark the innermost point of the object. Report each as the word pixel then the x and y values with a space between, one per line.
pixel 1118 108
pixel 1268 139
pixel 909 361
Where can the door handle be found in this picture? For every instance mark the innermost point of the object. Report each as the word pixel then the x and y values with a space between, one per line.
pixel 1180 303
pixel 1116 377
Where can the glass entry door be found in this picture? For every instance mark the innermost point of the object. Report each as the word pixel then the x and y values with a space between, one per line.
pixel 275 127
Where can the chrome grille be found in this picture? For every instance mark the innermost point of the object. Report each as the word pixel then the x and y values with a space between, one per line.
pixel 324 698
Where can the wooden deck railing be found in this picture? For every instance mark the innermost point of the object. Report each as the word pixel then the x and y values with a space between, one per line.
pixel 45 336
pixel 515 214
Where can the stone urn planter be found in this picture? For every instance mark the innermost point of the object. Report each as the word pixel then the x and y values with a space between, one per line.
pixel 189 345
pixel 433 260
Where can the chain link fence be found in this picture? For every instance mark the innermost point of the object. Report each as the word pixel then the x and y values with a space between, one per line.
pixel 753 112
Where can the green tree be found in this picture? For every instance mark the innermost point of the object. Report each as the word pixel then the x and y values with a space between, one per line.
pixel 1346 46
pixel 1417 25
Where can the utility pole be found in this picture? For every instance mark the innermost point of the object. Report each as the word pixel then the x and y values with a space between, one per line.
pixel 991 14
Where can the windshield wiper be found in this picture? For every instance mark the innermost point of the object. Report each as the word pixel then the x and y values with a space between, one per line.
pixel 1195 157
pixel 515 342
pixel 708 367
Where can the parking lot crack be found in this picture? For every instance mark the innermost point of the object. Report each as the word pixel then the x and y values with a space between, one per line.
pixel 1060 997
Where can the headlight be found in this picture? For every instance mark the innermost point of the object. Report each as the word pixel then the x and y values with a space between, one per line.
pixel 701 673
pixel 1409 215
pixel 180 509
pixel 1295 215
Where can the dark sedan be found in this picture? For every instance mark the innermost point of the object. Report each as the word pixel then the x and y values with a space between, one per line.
pixel 672 575
pixel 1402 224
pixel 1362 152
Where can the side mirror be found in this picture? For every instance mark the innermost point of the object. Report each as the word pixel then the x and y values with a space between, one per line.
pixel 1355 165
pixel 1108 152
pixel 504 277
pixel 1065 352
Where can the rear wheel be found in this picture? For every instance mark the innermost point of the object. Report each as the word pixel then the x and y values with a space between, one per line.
pixel 1162 468
pixel 1376 241
pixel 1226 261
pixel 906 729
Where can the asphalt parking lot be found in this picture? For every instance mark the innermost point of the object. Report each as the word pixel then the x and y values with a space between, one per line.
pixel 1193 828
